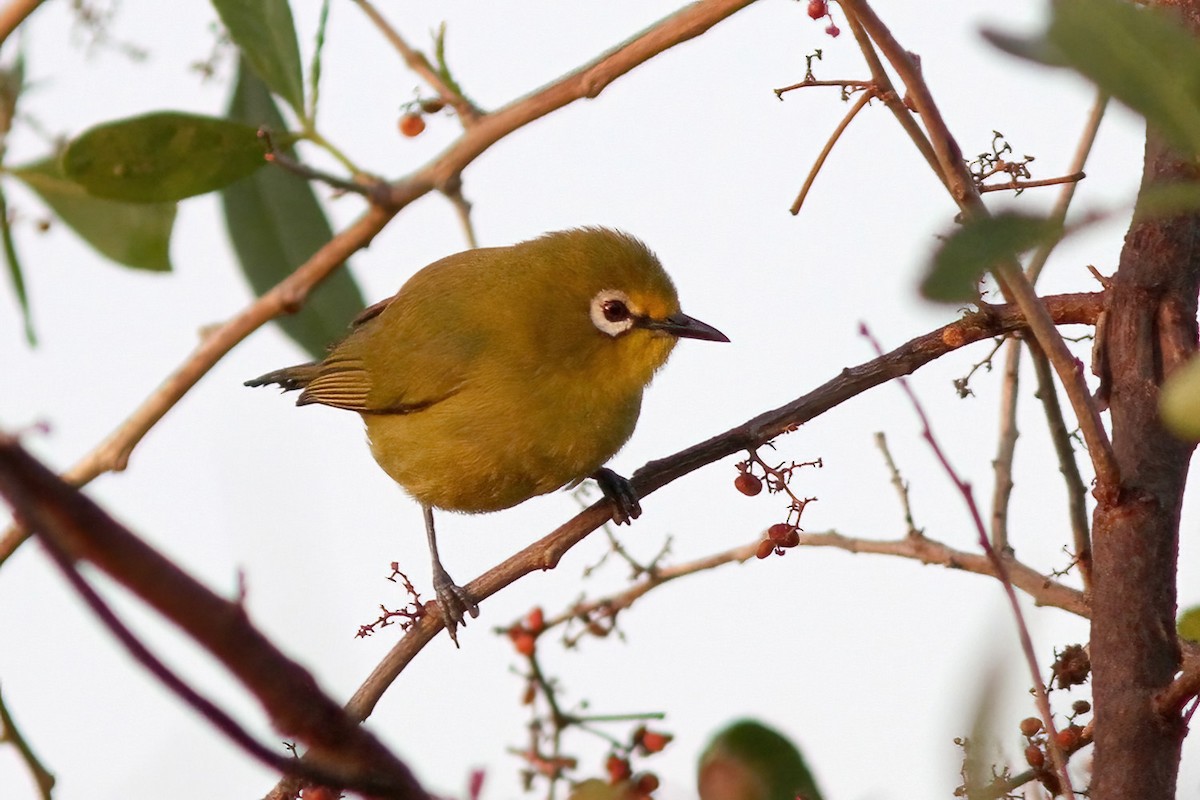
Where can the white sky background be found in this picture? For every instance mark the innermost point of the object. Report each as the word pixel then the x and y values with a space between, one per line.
pixel 873 664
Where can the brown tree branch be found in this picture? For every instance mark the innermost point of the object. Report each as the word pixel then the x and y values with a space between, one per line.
pixel 545 553
pixel 1007 447
pixel 1065 450
pixel 1043 590
pixel 858 106
pixel 10 734
pixel 1016 287
pixel 74 528
pixel 1171 701
pixel 1150 330
pixel 611 605
pixel 443 173
pixel 1014 184
pixel 13 14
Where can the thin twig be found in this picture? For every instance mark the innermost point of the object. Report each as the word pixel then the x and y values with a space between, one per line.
pixel 887 92
pixel 858 106
pixel 1059 213
pixel 953 172
pixel 1042 590
pixel 809 83
pixel 10 733
pixel 1065 450
pixel 1074 177
pixel 1007 447
pixel 899 483
pixel 1002 573
pixel 462 207
pixel 609 606
pixel 418 63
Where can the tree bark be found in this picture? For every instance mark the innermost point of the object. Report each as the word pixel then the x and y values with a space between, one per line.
pixel 1151 329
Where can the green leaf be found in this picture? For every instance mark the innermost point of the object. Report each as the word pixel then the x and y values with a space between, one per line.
pixel 266 34
pixel 976 248
pixel 749 761
pixel 276 224
pixel 134 234
pixel 1188 624
pixel 1145 57
pixel 14 270
pixel 1037 49
pixel 161 157
pixel 1179 401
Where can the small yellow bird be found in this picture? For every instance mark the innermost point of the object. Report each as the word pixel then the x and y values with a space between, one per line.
pixel 499 374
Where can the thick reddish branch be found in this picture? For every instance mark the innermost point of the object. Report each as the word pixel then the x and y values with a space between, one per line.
pixel 1151 328
pixel 80 530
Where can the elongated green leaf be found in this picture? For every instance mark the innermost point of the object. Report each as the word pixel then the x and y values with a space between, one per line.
pixel 977 247
pixel 162 156
pixel 276 223
pixel 134 234
pixel 1145 57
pixel 266 34
pixel 14 270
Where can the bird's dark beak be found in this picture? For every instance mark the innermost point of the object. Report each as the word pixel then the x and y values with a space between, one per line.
pixel 685 327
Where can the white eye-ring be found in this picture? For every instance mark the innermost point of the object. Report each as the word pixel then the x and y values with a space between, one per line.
pixel 610 312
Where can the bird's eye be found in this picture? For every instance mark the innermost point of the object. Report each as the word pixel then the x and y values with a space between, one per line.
pixel 614 310
pixel 610 312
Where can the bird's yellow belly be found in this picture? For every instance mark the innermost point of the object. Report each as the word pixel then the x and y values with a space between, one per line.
pixel 487 460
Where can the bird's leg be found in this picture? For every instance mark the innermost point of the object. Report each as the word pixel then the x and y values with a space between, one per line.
pixel 453 600
pixel 621 493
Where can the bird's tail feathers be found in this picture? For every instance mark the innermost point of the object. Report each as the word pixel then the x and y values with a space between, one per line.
pixel 288 378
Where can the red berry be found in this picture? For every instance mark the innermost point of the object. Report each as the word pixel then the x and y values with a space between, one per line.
pixel 654 742
pixel 617 768
pixel 1030 726
pixel 765 548
pixel 647 782
pixel 747 484
pixel 817 9
pixel 1068 738
pixel 781 532
pixel 1035 757
pixel 524 642
pixel 833 30
pixel 536 621
pixel 412 125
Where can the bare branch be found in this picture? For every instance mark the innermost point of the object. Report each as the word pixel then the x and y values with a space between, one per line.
pixel 1016 287
pixel 13 14
pixel 994 556
pixel 1043 590
pixel 1065 450
pixel 1074 177
pixel 859 104
pixel 12 735
pixel 545 553
pixel 74 528
pixel 1007 447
